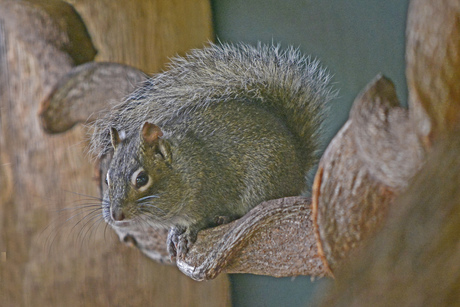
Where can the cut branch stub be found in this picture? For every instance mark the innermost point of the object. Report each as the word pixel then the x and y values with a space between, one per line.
pixel 368 162
pixel 86 91
pixel 48 27
pixel 433 66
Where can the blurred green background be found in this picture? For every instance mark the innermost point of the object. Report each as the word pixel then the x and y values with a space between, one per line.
pixel 355 40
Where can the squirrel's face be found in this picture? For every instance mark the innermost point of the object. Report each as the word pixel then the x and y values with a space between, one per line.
pixel 136 178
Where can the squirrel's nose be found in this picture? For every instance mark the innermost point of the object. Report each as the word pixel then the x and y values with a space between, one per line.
pixel 117 214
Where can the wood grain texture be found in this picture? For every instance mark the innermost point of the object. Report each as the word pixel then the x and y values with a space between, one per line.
pixel 48 260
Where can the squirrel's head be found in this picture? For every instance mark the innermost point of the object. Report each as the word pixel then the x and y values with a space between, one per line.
pixel 138 175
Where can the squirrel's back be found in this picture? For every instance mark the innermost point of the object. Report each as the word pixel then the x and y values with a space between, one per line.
pixel 294 87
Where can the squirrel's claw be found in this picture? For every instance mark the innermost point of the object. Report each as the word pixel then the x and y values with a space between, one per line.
pixel 179 241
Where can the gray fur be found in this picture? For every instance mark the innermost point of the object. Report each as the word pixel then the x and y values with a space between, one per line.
pixel 295 84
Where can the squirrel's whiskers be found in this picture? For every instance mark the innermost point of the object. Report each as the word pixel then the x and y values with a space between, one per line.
pixel 76 222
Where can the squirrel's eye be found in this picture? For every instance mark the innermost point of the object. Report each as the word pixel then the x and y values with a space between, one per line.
pixel 140 180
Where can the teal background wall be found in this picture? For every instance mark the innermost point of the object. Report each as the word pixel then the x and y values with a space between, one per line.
pixel 355 40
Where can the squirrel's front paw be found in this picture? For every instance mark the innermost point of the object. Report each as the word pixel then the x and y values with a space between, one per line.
pixel 179 241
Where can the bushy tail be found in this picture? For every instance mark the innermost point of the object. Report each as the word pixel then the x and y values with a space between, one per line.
pixel 293 85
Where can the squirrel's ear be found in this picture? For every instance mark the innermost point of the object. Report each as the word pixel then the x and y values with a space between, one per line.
pixel 151 135
pixel 114 137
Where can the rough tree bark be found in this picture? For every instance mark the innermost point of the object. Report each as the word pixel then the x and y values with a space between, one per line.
pixel 46 260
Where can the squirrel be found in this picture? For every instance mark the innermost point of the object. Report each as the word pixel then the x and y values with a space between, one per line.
pixel 222 130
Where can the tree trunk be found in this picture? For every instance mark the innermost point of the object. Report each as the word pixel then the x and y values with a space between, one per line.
pixel 54 246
